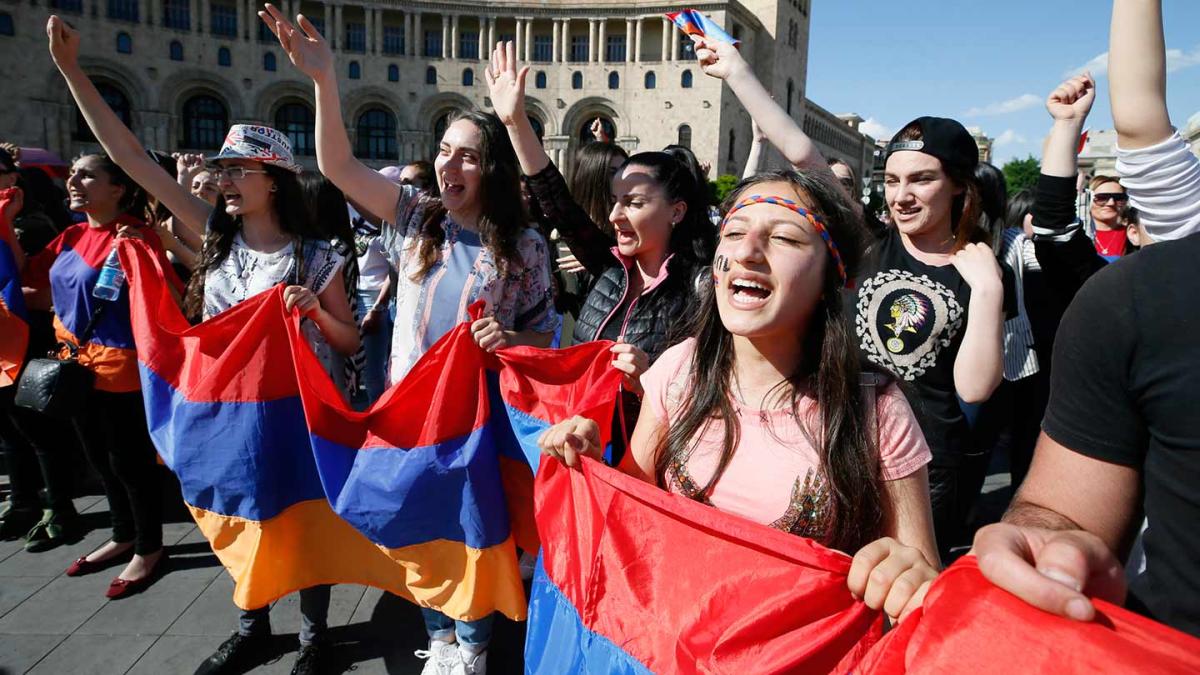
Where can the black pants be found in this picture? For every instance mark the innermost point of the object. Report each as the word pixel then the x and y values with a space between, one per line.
pixel 36 457
pixel 953 491
pixel 114 435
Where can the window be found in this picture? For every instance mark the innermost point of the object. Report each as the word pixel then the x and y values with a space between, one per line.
pixel 223 57
pixel 205 121
pixel 224 20
pixel 433 43
pixel 732 150
pixel 124 43
pixel 123 10
pixel 356 37
pixel 175 50
pixel 614 80
pixel 614 50
pixel 468 45
pixel 299 123
pixel 539 80
pixel 687 49
pixel 376 135
pixel 269 62
pixel 393 39
pixel 539 129
pixel 685 136
pixel 393 72
pixel 507 37
pixel 264 33
pixel 651 80
pixel 319 24
pixel 431 75
pixel 468 77
pixel 543 48
pixel 75 6
pixel 685 80
pixel 577 80
pixel 6 24
pixel 791 89
pixel 579 48
pixel 440 124
pixel 585 129
pixel 116 99
pixel 355 70
pixel 177 14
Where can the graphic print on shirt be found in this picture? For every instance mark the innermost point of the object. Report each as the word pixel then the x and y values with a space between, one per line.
pixel 904 321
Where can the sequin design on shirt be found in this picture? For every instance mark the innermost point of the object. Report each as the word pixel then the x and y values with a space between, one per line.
pixel 904 321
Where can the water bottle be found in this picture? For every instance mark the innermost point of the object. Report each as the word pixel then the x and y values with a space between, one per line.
pixel 112 278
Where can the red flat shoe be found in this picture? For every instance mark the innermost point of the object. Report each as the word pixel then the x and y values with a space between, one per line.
pixel 83 566
pixel 122 588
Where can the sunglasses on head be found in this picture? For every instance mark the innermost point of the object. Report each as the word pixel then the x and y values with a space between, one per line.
pixel 1105 197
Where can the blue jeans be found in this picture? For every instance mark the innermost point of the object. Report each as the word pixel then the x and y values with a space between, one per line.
pixel 314 614
pixel 440 627
pixel 376 346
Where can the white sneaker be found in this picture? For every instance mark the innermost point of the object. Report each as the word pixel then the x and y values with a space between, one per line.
pixel 441 658
pixel 471 665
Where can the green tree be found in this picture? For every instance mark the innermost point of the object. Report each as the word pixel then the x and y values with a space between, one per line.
pixel 1021 174
pixel 721 187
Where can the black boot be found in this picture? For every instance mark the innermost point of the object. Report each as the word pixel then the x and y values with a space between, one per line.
pixel 308 660
pixel 236 655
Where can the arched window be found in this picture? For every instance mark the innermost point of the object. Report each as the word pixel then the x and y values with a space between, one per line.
pixel 176 50
pixel 651 80
pixel 205 121
pixel 539 80
pixel 468 77
pixel 355 70
pixel 539 129
pixel 791 89
pixel 431 75
pixel 732 151
pixel 585 128
pixel 223 57
pixel 298 121
pixel 577 80
pixel 440 124
pixel 685 135
pixel 685 80
pixel 6 24
pixel 393 73
pixel 614 80
pixel 269 62
pixel 376 135
pixel 116 99
pixel 124 43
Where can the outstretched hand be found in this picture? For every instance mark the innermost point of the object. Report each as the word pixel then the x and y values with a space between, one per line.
pixel 64 42
pixel 506 83
pixel 1073 99
pixel 305 47
pixel 718 58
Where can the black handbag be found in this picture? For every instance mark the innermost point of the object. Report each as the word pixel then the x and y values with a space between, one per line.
pixel 58 386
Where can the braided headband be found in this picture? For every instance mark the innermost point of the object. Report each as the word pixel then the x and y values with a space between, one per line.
pixel 816 221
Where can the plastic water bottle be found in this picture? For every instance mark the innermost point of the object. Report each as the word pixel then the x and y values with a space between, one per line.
pixel 112 278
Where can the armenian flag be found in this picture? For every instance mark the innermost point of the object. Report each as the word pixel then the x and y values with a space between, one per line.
pixel 14 321
pixel 694 22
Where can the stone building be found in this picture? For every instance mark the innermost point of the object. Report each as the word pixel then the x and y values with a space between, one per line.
pixel 179 72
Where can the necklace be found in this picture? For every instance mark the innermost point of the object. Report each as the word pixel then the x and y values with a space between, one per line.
pixel 1115 244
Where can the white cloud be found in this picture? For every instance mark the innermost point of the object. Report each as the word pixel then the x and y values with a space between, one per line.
pixel 1177 59
pixel 1012 105
pixel 876 129
pixel 1009 137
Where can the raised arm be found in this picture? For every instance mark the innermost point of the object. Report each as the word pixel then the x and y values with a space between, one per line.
pixel 757 140
pixel 1069 105
pixel 1137 74
pixel 506 86
pixel 118 141
pixel 309 52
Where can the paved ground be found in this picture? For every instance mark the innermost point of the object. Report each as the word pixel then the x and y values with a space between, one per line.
pixel 51 624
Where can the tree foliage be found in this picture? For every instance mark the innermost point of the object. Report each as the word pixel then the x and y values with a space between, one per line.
pixel 722 186
pixel 1021 174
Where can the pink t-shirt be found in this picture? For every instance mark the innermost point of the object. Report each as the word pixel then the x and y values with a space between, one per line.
pixel 774 477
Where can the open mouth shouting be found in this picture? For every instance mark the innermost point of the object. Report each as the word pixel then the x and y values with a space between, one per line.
pixel 451 188
pixel 749 291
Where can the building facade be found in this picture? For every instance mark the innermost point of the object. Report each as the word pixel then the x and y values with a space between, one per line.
pixel 179 72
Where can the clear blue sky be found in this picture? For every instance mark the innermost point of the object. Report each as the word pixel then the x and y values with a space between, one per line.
pixel 891 61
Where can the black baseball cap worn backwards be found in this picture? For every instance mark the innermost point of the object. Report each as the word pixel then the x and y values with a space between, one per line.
pixel 944 138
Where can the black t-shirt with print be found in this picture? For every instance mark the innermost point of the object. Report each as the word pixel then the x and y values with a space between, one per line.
pixel 909 318
pixel 1133 402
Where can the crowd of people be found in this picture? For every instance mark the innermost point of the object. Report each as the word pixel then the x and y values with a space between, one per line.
pixel 790 357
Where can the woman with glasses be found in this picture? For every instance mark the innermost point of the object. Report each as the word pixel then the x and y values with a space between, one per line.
pixel 1108 231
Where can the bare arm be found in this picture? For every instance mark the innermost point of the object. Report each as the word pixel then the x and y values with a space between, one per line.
pixel 909 515
pixel 754 160
pixel 310 54
pixel 1069 105
pixel 118 141
pixel 979 366
pixel 1137 74
pixel 506 86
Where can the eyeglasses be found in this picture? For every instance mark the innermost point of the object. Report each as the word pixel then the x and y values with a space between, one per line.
pixel 1106 197
pixel 234 172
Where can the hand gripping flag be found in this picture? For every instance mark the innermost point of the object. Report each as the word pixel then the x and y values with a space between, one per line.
pixel 694 22
pixel 968 625
pixel 14 322
pixel 292 488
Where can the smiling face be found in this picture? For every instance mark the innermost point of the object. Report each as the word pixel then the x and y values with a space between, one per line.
pixel 204 186
pixel 1107 200
pixel 770 268
pixel 91 189
pixel 249 195
pixel 643 214
pixel 919 194
pixel 459 168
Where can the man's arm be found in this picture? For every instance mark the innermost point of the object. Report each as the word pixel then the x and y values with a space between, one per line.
pixel 1137 74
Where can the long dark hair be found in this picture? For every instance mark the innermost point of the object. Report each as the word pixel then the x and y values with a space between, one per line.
pixel 993 202
pixel 133 200
pixel 502 217
pixel 694 237
pixel 828 371
pixel 591 184
pixel 222 228
pixel 1019 206
pixel 966 207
